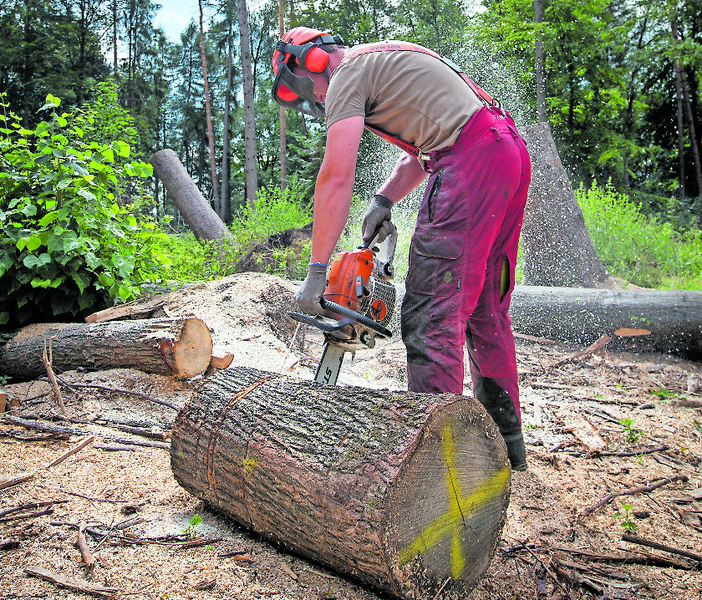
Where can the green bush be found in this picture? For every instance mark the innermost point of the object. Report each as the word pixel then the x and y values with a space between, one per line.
pixel 638 248
pixel 69 239
pixel 274 211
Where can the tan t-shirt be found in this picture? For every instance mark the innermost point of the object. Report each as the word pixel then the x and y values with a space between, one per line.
pixel 406 94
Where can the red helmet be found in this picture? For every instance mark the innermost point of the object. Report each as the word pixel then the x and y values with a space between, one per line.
pixel 300 46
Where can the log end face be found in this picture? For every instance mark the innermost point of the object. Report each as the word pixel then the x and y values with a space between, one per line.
pixel 446 510
pixel 192 351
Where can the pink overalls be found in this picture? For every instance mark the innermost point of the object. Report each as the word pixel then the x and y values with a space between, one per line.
pixel 461 267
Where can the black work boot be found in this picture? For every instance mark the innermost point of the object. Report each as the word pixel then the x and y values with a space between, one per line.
pixel 501 408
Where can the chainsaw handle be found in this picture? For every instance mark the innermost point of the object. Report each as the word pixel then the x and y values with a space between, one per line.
pixel 358 317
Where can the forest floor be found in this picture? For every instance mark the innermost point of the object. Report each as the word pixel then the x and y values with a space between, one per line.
pixel 596 423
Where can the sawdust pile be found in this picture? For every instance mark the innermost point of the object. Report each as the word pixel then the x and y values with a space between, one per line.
pixel 597 424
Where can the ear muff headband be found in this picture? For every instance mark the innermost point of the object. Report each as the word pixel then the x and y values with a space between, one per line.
pixel 309 56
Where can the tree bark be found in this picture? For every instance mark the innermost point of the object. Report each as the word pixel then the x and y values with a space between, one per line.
pixel 208 115
pixel 180 347
pixel 225 206
pixel 557 247
pixel 540 63
pixel 197 212
pixel 672 318
pixel 249 115
pixel 405 492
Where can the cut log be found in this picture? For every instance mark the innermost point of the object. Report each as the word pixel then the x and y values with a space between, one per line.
pixel 180 347
pixel 197 212
pixel 556 245
pixel 666 320
pixel 405 492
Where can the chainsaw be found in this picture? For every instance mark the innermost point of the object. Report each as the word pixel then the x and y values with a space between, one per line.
pixel 358 304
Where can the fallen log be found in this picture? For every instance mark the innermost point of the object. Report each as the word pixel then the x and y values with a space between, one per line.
pixel 197 212
pixel 405 492
pixel 655 320
pixel 180 347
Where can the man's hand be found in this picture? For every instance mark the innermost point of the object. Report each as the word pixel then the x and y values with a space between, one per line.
pixel 377 215
pixel 311 290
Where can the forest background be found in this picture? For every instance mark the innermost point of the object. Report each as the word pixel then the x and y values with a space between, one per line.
pixel 92 88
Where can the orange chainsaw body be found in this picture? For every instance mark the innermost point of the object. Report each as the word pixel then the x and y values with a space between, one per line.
pixel 348 277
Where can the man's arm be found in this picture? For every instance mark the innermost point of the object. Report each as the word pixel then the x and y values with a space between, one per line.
pixel 406 175
pixel 332 193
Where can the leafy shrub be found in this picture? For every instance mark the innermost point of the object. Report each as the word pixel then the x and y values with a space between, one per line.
pixel 274 211
pixel 638 248
pixel 69 243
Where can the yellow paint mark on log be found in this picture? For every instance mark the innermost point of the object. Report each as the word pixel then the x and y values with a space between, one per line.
pixel 459 507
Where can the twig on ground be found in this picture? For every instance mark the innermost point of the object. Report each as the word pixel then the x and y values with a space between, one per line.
pixel 32 515
pixel 651 544
pixel 76 585
pixel 85 553
pixel 630 492
pixel 46 359
pixel 77 448
pixel 558 583
pixel 15 480
pixel 599 346
pixel 120 391
pixel 21 507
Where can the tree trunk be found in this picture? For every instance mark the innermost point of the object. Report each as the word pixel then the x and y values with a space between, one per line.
pixel 197 212
pixel 225 207
pixel 540 62
pixel 180 347
pixel 681 129
pixel 680 70
pixel 208 115
pixel 557 247
pixel 405 492
pixel 673 319
pixel 249 119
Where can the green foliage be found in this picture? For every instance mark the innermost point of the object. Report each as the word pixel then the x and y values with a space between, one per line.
pixel 627 523
pixel 195 520
pixel 69 241
pixel 631 432
pixel 274 211
pixel 638 248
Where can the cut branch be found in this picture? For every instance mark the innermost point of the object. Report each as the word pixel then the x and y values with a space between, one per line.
pixel 656 545
pixel 644 489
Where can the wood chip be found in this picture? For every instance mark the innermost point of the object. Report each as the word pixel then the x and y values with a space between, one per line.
pixel 628 332
pixel 288 571
pixel 586 433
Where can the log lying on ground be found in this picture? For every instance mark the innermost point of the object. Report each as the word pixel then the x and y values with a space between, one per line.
pixel 405 492
pixel 180 347
pixel 672 318
pixel 197 212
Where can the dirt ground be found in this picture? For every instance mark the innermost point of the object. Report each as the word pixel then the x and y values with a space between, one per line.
pixel 596 424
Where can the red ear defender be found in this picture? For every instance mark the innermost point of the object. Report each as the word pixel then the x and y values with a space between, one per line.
pixel 316 60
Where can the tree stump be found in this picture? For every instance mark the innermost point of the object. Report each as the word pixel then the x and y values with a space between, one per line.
pixel 180 347
pixel 557 247
pixel 406 492
pixel 197 212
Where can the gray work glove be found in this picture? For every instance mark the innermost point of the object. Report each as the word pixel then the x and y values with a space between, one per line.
pixel 311 290
pixel 378 214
